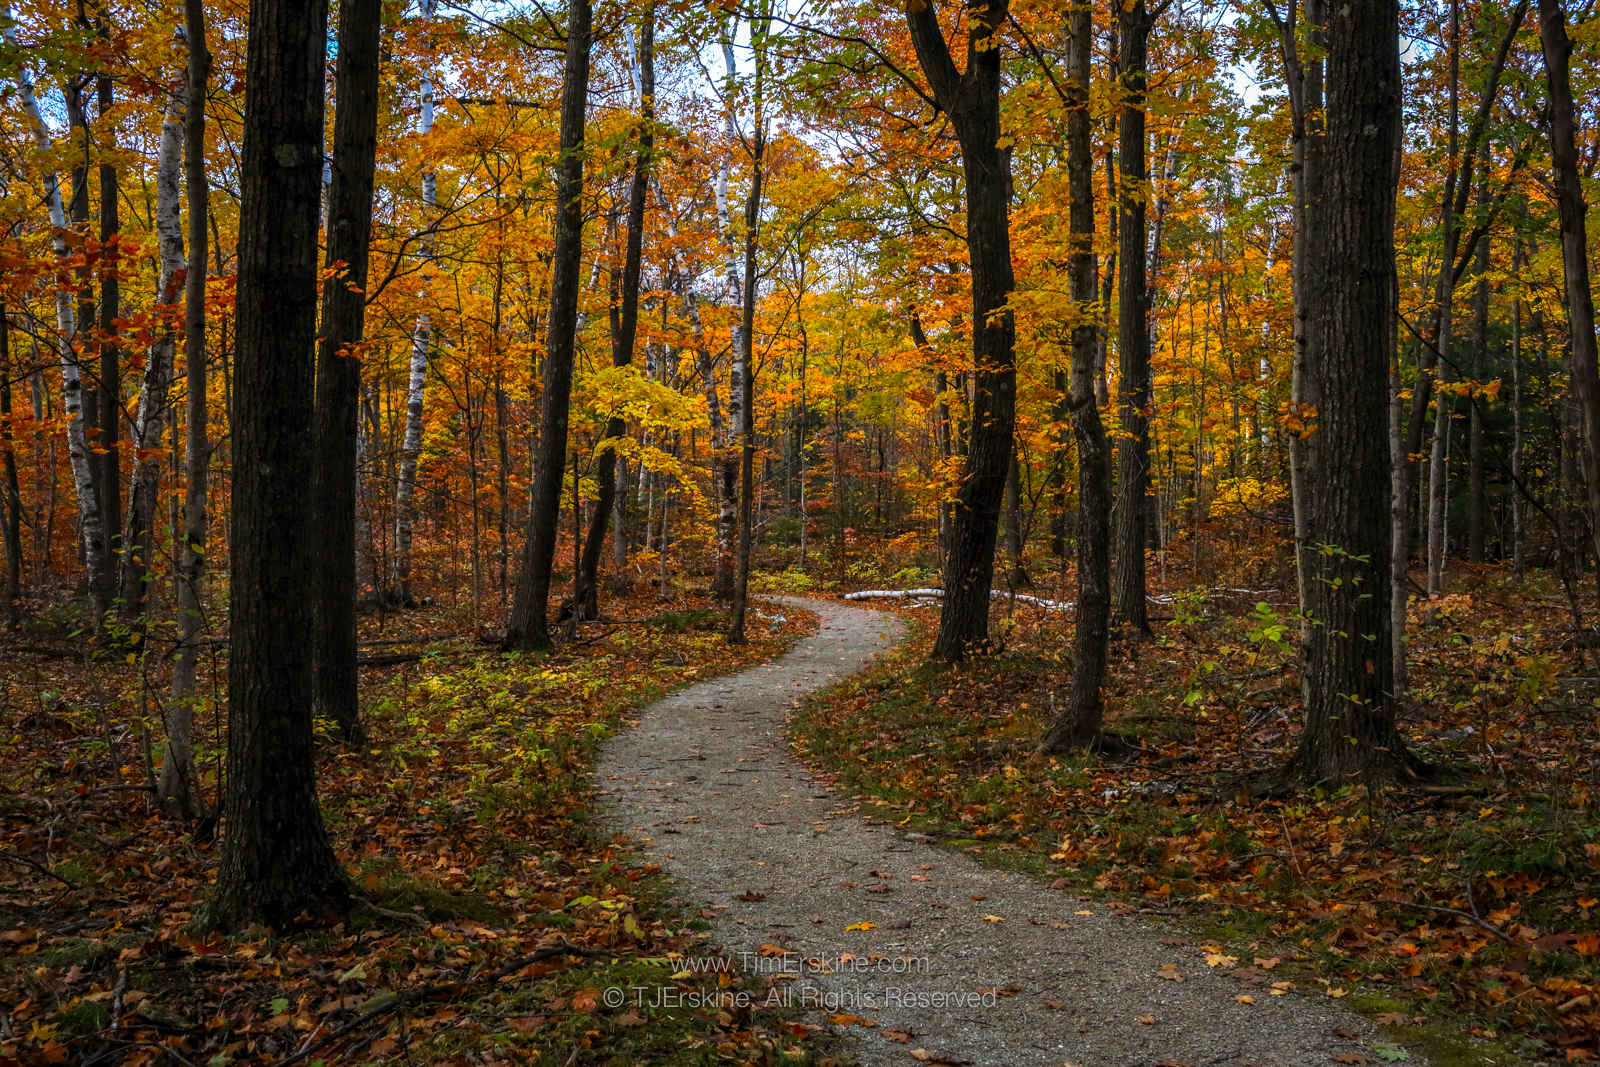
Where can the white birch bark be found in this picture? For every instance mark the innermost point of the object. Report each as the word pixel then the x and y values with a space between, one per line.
pixel 421 339
pixel 727 503
pixel 89 519
pixel 154 394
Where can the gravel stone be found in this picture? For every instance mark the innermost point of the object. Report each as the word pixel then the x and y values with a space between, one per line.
pixel 710 790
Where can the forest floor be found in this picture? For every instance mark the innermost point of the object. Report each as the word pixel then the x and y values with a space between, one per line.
pixel 918 953
pixel 1459 913
pixel 465 820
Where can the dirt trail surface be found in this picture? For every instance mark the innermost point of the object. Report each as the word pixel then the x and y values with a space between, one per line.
pixel 962 962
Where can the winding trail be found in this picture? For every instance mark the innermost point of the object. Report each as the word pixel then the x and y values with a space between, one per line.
pixel 708 787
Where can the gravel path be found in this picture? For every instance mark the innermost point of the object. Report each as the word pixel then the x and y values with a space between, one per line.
pixel 708 787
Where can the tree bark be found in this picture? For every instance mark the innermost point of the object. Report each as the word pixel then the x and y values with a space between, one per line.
pixel 1078 724
pixel 138 541
pixel 1350 722
pixel 90 519
pixel 528 627
pixel 585 594
pixel 110 308
pixel 405 488
pixel 971 99
pixel 277 863
pixel 1480 363
pixel 1133 327
pixel 355 140
pixel 744 365
pixel 179 787
pixel 1574 246
pixel 10 494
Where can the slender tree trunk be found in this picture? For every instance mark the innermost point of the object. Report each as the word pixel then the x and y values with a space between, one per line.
pixel 1078 725
pixel 1012 502
pixel 1574 246
pixel 1350 722
pixel 1517 263
pixel 585 594
pixel 971 99
pixel 1133 328
pixel 405 489
pixel 528 627
pixel 110 308
pixel 149 426
pixel 10 493
pixel 355 139
pixel 90 520
pixel 744 364
pixel 179 786
pixel 1480 363
pixel 277 862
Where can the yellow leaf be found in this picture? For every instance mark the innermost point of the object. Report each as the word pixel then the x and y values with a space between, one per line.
pixel 862 926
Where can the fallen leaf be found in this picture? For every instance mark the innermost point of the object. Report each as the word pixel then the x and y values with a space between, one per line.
pixel 1170 972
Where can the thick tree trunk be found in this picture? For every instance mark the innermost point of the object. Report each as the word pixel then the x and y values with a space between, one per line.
pixel 1133 328
pixel 277 863
pixel 972 102
pixel 90 519
pixel 138 541
pixel 405 487
pixel 528 627
pixel 585 594
pixel 1350 723
pixel 1574 246
pixel 1078 724
pixel 179 786
pixel 355 139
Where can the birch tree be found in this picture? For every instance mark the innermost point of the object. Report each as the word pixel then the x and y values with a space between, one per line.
pixel 421 339
pixel 91 525
pixel 138 541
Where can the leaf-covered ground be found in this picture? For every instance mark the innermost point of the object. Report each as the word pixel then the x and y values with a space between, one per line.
pixel 464 820
pixel 1455 911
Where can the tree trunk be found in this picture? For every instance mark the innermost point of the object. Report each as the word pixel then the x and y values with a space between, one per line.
pixel 1078 724
pixel 1517 264
pixel 179 788
pixel 972 102
pixel 1133 328
pixel 138 542
pixel 355 139
pixel 528 627
pixel 405 488
pixel 1574 246
pixel 90 520
pixel 10 494
pixel 110 308
pixel 744 364
pixel 277 863
pixel 1350 724
pixel 1480 363
pixel 585 593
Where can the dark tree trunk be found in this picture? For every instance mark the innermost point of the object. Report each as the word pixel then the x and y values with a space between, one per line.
pixel 528 628
pixel 972 102
pixel 1574 246
pixel 179 788
pixel 744 364
pixel 585 595
pixel 355 141
pixel 276 863
pixel 1480 358
pixel 1079 723
pixel 10 495
pixel 110 370
pixel 1133 328
pixel 1350 720
pixel 1018 578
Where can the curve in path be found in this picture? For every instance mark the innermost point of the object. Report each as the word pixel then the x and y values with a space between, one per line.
pixel 969 963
